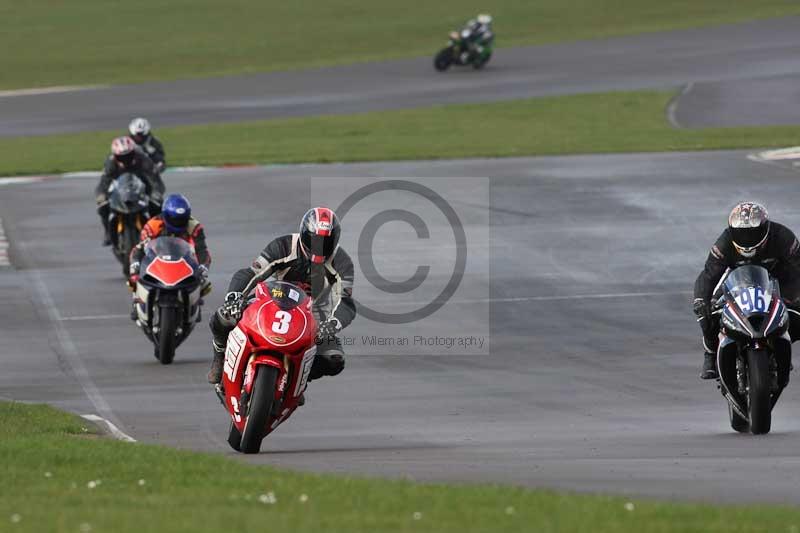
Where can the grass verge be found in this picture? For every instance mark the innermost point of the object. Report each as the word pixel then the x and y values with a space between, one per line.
pixel 60 477
pixel 50 42
pixel 595 123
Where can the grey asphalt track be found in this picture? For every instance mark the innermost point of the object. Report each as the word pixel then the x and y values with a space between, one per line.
pixel 591 382
pixel 771 100
pixel 726 54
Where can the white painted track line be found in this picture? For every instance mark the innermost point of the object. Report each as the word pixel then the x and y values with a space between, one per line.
pixel 115 431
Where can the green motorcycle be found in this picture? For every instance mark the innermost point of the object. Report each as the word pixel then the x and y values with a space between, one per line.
pixel 465 49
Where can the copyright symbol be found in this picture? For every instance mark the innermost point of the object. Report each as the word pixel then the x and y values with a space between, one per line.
pixel 367 238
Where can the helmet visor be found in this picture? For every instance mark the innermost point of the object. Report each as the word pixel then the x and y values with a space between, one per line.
pixel 176 223
pixel 749 237
pixel 125 159
pixel 318 247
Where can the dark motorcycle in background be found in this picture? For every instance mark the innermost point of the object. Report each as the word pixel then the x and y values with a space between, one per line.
pixel 460 52
pixel 128 202
pixel 168 296
pixel 754 357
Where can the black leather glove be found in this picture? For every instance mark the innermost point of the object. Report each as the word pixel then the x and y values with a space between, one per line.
pixel 701 308
pixel 329 329
pixel 234 304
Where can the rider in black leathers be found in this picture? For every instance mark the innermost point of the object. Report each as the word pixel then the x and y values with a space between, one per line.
pixel 480 34
pixel 312 260
pixel 127 157
pixel 142 135
pixel 750 238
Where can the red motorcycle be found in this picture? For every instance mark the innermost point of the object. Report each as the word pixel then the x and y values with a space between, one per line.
pixel 267 363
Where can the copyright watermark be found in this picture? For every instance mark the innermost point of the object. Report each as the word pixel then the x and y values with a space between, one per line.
pixel 420 248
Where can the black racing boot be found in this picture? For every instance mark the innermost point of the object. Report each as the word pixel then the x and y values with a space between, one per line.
pixel 326 365
pixel 215 374
pixel 709 366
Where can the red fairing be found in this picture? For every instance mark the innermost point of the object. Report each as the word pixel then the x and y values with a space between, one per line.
pixel 285 331
pixel 169 273
pixel 267 335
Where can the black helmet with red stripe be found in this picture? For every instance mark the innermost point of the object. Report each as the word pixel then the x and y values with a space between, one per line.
pixel 319 234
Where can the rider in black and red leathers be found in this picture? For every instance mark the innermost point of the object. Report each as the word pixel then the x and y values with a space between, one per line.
pixel 312 260
pixel 750 238
pixel 127 157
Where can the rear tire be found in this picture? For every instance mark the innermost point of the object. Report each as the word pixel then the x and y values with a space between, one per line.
pixel 260 407
pixel 737 422
pixel 167 324
pixel 443 59
pixel 759 405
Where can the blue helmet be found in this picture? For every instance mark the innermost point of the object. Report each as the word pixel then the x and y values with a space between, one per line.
pixel 176 212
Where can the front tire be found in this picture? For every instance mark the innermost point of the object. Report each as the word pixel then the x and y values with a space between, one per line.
pixel 127 239
pixel 759 404
pixel 737 422
pixel 443 59
pixel 235 438
pixel 167 323
pixel 259 408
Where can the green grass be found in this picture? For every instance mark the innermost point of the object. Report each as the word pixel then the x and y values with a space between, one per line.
pixel 53 42
pixel 596 123
pixel 192 492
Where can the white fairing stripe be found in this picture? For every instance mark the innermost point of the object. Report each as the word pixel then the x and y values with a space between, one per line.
pixel 772 315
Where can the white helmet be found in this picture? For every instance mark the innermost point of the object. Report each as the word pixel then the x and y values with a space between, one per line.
pixel 484 18
pixel 139 129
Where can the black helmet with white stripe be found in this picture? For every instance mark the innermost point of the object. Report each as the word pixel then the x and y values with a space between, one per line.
pixel 748 224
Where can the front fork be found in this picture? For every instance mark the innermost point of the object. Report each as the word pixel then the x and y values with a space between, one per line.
pixel 742 378
pixel 250 376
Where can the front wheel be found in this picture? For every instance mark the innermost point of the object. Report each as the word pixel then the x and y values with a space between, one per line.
pixel 260 407
pixel 737 422
pixel 443 59
pixel 127 238
pixel 167 324
pixel 759 404
pixel 235 438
